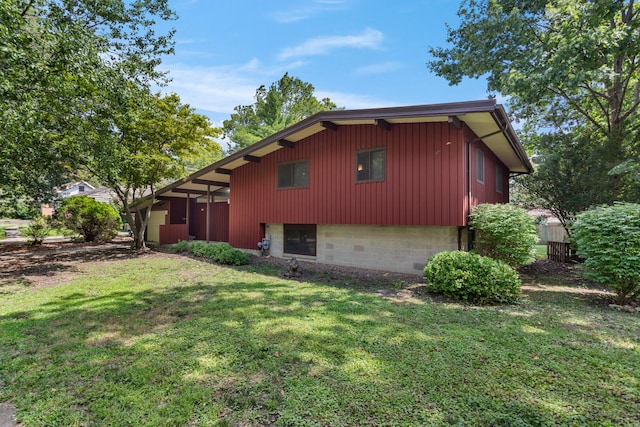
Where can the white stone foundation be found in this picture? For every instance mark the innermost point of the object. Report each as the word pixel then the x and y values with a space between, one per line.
pixel 389 248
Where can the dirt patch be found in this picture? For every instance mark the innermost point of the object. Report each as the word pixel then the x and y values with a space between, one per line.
pixel 7 415
pixel 54 263
pixel 545 276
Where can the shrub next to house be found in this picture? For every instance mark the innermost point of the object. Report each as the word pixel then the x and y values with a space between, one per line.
pixel 472 277
pixel 505 232
pixel 222 253
pixel 608 237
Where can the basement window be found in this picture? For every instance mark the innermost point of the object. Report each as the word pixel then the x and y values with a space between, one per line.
pixel 370 165
pixel 300 239
pixel 293 174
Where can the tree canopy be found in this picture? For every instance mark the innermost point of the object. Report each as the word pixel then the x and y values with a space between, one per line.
pixel 60 62
pixel 284 103
pixel 142 142
pixel 569 68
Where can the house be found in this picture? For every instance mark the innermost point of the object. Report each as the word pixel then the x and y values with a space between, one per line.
pixel 78 188
pixel 380 188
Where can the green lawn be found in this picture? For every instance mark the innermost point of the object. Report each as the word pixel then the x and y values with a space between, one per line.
pixel 541 251
pixel 50 232
pixel 169 341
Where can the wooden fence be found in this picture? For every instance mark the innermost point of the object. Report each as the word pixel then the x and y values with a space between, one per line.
pixel 560 252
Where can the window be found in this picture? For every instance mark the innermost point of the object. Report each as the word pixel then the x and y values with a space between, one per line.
pixel 293 175
pixel 300 239
pixel 480 166
pixel 370 165
pixel 81 188
pixel 499 181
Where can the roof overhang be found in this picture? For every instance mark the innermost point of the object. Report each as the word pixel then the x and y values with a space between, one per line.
pixel 485 118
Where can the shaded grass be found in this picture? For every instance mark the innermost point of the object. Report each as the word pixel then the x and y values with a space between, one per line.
pixel 541 251
pixel 22 229
pixel 167 340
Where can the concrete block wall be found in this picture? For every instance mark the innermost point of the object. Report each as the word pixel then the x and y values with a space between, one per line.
pixel 390 248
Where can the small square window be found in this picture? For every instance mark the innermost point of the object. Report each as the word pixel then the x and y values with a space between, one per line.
pixel 293 175
pixel 480 166
pixel 499 179
pixel 370 165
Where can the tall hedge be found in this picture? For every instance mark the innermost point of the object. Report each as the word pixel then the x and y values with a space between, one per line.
pixel 608 237
pixel 504 232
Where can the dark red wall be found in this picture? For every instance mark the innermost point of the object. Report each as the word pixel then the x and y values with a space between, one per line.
pixel 486 192
pixel 424 185
pixel 219 218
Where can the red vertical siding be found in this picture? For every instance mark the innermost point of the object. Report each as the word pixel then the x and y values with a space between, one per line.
pixel 172 233
pixel 487 192
pixel 220 228
pixel 219 217
pixel 422 184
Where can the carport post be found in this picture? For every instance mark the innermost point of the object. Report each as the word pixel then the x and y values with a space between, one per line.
pixel 188 203
pixel 208 210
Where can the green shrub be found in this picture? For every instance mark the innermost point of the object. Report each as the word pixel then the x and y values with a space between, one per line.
pixel 92 219
pixel 504 232
pixel 608 237
pixel 472 277
pixel 181 246
pixel 222 253
pixel 37 230
pixel 198 248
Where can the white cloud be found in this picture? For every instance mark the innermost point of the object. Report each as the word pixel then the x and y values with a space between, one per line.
pixel 352 101
pixel 219 89
pixel 308 11
pixel 368 39
pixel 380 68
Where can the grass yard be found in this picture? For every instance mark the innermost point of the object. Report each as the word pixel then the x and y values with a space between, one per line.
pixel 541 251
pixel 165 340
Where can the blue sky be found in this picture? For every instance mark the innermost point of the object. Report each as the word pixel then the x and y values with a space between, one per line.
pixel 359 53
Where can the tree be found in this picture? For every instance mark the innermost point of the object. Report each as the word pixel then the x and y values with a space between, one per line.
pixel 59 60
pixel 564 180
pixel 570 68
pixel 286 102
pixel 141 141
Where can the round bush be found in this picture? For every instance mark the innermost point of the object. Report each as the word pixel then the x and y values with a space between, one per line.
pixel 92 219
pixel 608 237
pixel 472 277
pixel 504 232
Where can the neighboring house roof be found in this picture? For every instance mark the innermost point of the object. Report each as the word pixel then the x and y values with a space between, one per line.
pixel 101 194
pixel 487 119
pixel 73 188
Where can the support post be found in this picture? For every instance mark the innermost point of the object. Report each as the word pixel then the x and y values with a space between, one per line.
pixel 208 211
pixel 188 203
